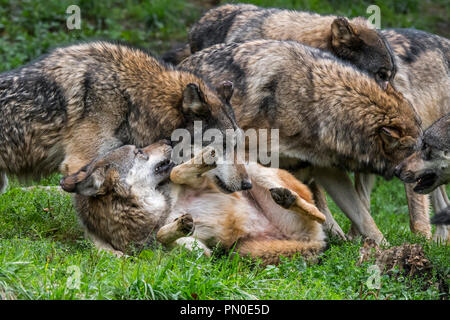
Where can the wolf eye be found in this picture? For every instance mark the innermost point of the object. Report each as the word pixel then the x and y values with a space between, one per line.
pixel 382 75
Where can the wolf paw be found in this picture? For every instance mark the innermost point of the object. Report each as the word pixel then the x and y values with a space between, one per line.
pixel 185 224
pixel 283 197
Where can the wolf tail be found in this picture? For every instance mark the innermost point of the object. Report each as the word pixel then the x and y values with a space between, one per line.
pixel 175 56
pixel 442 217
pixel 270 251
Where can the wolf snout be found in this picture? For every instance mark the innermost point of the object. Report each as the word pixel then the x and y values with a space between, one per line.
pixel 246 185
pixel 67 186
pixel 404 175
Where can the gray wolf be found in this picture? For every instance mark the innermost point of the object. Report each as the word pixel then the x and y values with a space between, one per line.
pixel 429 167
pixel 78 102
pixel 125 200
pixel 354 41
pixel 422 62
pixel 328 112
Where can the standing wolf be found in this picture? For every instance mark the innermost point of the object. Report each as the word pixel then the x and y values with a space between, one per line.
pixel 355 41
pixel 328 113
pixel 423 77
pixel 78 102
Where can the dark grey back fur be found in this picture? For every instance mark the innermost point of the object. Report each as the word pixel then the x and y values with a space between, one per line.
pixel 438 135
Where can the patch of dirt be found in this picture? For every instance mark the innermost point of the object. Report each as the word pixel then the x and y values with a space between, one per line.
pixel 409 259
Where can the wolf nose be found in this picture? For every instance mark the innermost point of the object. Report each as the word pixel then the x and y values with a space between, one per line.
pixel 246 185
pixel 68 187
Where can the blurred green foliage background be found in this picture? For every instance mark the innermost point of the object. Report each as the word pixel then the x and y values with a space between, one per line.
pixel 29 28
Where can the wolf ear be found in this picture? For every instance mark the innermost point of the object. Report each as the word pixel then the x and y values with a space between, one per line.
pixel 84 183
pixel 193 100
pixel 343 33
pixel 225 90
pixel 390 137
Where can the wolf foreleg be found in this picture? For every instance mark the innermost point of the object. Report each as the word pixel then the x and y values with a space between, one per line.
pixel 419 216
pixel 341 190
pixel 190 172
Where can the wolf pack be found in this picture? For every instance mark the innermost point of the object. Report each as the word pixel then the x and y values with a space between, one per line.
pixel 346 98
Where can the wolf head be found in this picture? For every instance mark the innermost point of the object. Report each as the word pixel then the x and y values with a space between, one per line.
pixel 130 167
pixel 429 166
pixel 214 111
pixel 210 106
pixel 364 47
pixel 121 169
pixel 385 135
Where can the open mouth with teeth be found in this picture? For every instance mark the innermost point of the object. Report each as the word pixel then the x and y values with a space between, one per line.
pixel 425 182
pixel 222 186
pixel 164 167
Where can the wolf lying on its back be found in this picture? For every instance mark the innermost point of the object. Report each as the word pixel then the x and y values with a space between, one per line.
pixel 328 112
pixel 124 199
pixel 78 102
pixel 354 41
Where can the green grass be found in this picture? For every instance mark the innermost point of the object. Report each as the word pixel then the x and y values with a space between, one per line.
pixel 41 241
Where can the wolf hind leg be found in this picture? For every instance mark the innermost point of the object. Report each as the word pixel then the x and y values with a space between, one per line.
pixel 418 207
pixel 292 201
pixel 330 223
pixel 3 182
pixel 364 183
pixel 180 227
pixel 285 190
pixel 177 233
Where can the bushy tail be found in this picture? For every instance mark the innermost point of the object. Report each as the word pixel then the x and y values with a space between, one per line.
pixel 175 56
pixel 442 217
pixel 270 251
